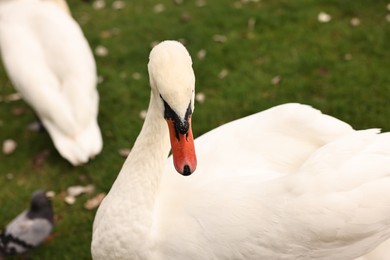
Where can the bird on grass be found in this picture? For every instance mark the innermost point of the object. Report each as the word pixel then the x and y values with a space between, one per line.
pixel 50 63
pixel 285 183
pixel 30 228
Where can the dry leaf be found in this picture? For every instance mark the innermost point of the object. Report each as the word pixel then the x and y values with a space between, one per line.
pixel 136 75
pixel 40 158
pixel 348 56
pixel 117 5
pixel 77 190
pixel 101 51
pixel 223 73
pixel 200 97
pixel 276 80
pixel 17 111
pixel 34 126
pixel 100 79
pixel 355 21
pixel 50 194
pixel 70 200
pixel 219 38
pixel 324 17
pixel 251 24
pixel 201 54
pixel 9 176
pixel 94 202
pixel 200 3
pixel 98 4
pixel 124 152
pixel 9 146
pixel 159 8
pixel 142 114
pixel 11 97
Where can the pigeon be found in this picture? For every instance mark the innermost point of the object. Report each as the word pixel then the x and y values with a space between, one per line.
pixel 30 228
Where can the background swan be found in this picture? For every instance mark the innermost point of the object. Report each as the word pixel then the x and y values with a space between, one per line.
pixel 286 183
pixel 50 63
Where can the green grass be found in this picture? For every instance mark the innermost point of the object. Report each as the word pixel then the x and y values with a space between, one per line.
pixel 286 41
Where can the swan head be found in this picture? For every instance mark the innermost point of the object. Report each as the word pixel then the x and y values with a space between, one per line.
pixel 172 81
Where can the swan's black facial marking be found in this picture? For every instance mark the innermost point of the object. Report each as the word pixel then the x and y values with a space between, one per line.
pixel 181 127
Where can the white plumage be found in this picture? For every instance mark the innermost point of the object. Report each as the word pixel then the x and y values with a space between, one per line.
pixel 50 63
pixel 285 183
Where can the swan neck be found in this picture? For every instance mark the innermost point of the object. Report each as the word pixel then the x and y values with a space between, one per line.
pixel 129 206
pixel 146 162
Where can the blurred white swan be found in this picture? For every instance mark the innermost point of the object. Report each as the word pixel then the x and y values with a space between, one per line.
pixel 285 183
pixel 49 61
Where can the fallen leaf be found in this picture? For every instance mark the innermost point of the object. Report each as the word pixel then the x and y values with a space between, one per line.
pixel 324 17
pixel 50 194
pixel 35 126
pixel 124 152
pixel 94 202
pixel 200 97
pixel 251 24
pixel 40 158
pixel 185 17
pixel 11 97
pixel 276 80
pixel 98 4
pixel 136 75
pixel 105 34
pixel 101 51
pixel 9 146
pixel 142 114
pixel 223 73
pixel 200 3
pixel 219 38
pixel 355 21
pixel 348 56
pixel 159 8
pixel 117 5
pixel 100 79
pixel 17 111
pixel 70 200
pixel 77 190
pixel 201 54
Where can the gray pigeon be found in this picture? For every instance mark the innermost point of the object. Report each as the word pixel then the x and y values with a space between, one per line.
pixel 30 228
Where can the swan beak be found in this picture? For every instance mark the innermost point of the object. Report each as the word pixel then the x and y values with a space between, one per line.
pixel 183 149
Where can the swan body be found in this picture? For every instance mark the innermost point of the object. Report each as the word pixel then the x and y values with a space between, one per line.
pixel 61 4
pixel 285 183
pixel 49 61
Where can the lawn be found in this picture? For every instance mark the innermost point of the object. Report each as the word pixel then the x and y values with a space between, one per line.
pixel 247 55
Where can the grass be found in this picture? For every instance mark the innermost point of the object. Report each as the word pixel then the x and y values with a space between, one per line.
pixel 341 69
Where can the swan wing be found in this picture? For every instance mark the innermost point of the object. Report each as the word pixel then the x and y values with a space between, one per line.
pixel 339 198
pixel 223 201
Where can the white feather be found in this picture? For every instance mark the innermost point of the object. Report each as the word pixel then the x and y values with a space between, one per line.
pixel 50 63
pixel 285 183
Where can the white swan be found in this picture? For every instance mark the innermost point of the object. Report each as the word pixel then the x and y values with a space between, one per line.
pixel 50 63
pixel 61 4
pixel 286 183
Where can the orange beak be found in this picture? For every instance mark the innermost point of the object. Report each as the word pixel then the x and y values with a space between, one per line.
pixel 183 150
